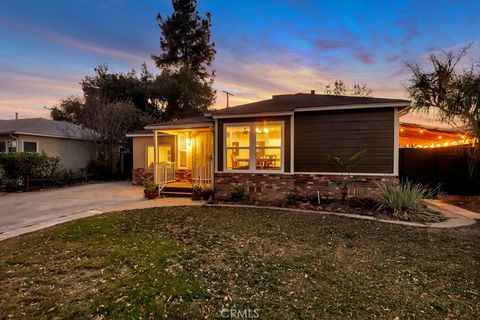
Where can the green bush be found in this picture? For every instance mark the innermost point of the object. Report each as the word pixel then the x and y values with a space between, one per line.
pixel 149 184
pixel 403 197
pixel 16 165
pixel 237 194
pixel 98 170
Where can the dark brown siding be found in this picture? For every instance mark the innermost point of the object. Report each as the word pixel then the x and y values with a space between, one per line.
pixel 286 120
pixel 343 133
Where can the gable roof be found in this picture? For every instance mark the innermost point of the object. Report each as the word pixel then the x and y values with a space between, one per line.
pixel 296 102
pixel 45 127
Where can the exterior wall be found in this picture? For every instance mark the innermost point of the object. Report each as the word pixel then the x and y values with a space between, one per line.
pixel 287 149
pixel 139 171
pixel 74 154
pixel 343 133
pixel 274 188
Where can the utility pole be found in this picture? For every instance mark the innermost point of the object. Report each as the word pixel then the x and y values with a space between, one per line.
pixel 228 94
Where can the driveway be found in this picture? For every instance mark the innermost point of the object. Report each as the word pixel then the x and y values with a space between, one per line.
pixel 26 212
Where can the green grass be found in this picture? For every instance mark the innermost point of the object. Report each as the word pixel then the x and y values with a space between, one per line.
pixel 192 262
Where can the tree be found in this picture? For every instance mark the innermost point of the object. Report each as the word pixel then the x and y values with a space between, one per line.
pixel 68 110
pixel 361 90
pixel 340 88
pixel 454 93
pixel 186 57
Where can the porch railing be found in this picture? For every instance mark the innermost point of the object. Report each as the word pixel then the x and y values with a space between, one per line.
pixel 164 173
pixel 203 174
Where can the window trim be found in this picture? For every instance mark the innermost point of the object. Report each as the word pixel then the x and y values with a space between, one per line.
pixel 252 147
pixel 6 145
pixel 31 141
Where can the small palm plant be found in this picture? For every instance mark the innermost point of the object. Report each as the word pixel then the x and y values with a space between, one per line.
pixel 346 170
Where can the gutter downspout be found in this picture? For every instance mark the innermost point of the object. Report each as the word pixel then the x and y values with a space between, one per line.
pixel 16 139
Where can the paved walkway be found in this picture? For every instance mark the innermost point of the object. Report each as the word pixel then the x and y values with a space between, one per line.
pixel 26 212
pixel 456 216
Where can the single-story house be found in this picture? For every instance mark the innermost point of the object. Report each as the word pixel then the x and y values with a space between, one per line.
pixel 73 144
pixel 274 146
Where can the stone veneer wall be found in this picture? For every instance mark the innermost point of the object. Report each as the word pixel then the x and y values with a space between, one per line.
pixel 274 188
pixel 139 174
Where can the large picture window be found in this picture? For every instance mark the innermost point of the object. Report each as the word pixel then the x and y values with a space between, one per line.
pixel 254 146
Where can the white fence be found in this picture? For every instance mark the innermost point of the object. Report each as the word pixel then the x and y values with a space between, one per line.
pixel 203 174
pixel 164 173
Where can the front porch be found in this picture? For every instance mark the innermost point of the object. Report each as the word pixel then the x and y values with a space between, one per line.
pixel 186 163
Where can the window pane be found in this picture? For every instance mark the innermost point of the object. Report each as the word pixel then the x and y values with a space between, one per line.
pixel 150 159
pixel 269 159
pixel 238 136
pixel 183 158
pixel 238 159
pixel 268 135
pixel 29 147
pixel 3 146
pixel 182 142
pixel 164 154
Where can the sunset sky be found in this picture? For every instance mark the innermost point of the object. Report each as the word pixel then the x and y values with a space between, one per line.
pixel 263 47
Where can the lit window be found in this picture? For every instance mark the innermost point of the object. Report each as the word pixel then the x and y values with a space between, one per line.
pixel 3 146
pixel 268 147
pixel 182 150
pixel 260 152
pixel 164 154
pixel 238 147
pixel 29 146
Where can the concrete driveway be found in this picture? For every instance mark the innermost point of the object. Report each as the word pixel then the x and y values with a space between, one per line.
pixel 27 212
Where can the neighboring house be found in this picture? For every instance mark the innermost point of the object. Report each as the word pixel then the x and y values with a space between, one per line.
pixel 274 146
pixel 68 141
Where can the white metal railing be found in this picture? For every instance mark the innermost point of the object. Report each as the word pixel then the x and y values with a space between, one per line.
pixel 164 173
pixel 203 174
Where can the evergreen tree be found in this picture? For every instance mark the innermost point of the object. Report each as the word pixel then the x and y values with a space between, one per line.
pixel 186 57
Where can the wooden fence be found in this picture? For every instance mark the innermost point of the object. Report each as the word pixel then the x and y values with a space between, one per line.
pixel 447 167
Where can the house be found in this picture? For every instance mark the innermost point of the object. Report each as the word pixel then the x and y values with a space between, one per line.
pixel 274 146
pixel 68 141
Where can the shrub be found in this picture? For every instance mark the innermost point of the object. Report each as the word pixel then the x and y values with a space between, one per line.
pixel 149 185
pixel 207 192
pixel 403 197
pixel 26 165
pixel 237 194
pixel 98 170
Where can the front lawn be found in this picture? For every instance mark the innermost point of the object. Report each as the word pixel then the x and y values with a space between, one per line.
pixel 193 262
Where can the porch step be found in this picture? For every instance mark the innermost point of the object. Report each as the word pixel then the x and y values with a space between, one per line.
pixel 175 194
pixel 177 189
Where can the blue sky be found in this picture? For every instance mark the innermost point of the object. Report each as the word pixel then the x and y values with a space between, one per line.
pixel 263 47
